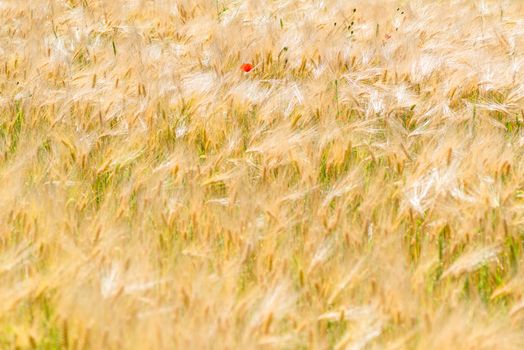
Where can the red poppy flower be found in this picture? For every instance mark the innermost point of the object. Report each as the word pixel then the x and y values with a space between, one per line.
pixel 246 67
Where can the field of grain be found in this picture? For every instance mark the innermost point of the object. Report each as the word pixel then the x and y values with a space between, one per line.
pixel 362 187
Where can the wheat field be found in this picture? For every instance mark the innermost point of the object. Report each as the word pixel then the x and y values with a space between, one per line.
pixel 362 187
